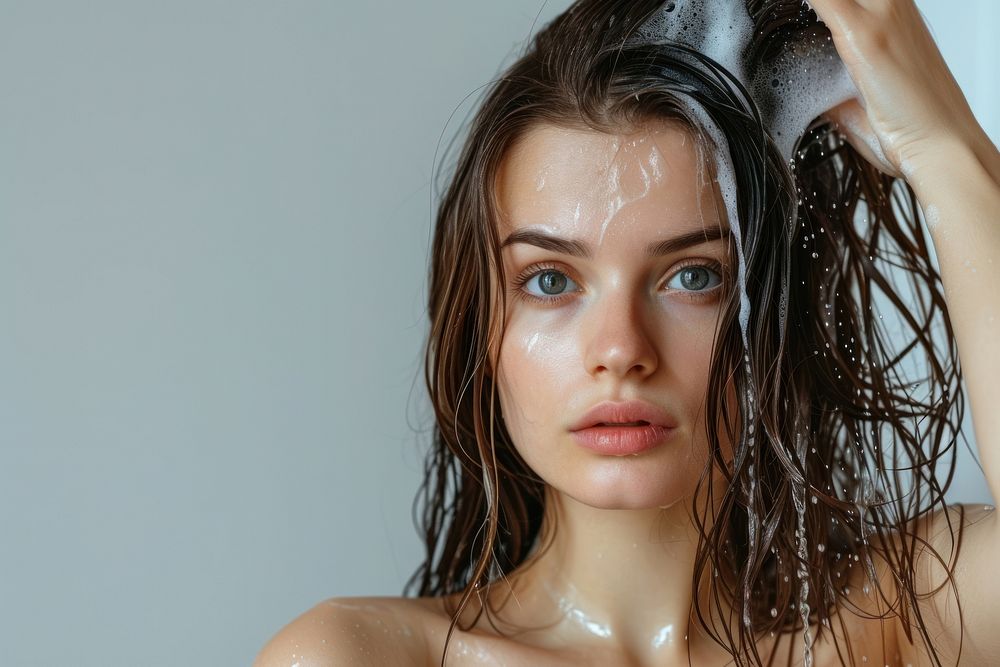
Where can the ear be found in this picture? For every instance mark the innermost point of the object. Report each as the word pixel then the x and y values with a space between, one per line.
pixel 852 120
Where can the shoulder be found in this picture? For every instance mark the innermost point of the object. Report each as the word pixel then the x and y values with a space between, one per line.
pixel 933 542
pixel 351 631
pixel 945 550
pixel 937 538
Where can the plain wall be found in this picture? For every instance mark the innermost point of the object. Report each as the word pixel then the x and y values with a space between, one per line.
pixel 214 224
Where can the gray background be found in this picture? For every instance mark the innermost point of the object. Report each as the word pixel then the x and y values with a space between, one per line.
pixel 214 221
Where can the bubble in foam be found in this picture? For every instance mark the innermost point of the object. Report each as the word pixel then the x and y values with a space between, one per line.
pixel 806 78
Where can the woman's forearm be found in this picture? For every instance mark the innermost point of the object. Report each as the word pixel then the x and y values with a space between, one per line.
pixel 958 187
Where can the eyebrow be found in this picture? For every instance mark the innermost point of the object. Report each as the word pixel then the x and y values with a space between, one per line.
pixel 581 249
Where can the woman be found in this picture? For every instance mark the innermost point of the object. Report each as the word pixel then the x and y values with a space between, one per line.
pixel 672 427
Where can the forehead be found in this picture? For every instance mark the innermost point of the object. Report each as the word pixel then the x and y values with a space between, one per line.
pixel 587 183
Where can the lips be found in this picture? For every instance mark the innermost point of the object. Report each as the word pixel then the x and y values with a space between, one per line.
pixel 622 440
pixel 634 413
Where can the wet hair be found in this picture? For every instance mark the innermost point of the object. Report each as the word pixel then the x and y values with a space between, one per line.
pixel 835 253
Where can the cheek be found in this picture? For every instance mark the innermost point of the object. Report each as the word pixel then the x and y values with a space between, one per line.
pixel 540 374
pixel 534 365
pixel 688 345
pixel 691 350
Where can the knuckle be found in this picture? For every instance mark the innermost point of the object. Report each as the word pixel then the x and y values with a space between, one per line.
pixel 877 36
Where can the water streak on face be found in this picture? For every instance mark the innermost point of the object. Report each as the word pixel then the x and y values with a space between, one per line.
pixel 615 324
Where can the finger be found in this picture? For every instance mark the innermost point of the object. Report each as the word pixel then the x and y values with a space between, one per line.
pixel 840 5
pixel 850 8
pixel 883 7
pixel 852 120
pixel 838 15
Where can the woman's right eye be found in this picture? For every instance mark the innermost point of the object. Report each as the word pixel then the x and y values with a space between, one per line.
pixel 548 285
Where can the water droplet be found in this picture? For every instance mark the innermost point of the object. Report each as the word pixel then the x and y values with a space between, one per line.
pixel 774 612
pixel 815 255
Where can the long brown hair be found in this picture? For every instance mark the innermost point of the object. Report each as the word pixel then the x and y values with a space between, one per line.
pixel 849 445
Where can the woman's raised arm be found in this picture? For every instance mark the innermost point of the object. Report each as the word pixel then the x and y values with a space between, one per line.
pixel 927 132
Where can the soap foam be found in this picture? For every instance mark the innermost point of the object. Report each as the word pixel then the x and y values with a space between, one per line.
pixel 805 79
pixel 726 176
pixel 719 30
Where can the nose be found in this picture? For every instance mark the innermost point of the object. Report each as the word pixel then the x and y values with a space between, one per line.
pixel 620 342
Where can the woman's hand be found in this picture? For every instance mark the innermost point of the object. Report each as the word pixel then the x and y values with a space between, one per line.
pixel 911 105
pixel 917 117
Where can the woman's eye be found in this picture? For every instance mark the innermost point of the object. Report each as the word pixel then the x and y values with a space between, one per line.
pixel 550 283
pixel 695 279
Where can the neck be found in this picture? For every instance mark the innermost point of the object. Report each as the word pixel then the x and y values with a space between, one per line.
pixel 613 579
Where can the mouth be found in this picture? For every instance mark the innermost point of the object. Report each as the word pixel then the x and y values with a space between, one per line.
pixel 626 415
pixel 622 438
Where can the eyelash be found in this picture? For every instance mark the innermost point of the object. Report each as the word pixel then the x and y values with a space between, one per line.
pixel 546 267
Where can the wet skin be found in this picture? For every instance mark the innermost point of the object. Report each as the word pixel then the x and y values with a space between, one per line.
pixel 614 586
pixel 614 603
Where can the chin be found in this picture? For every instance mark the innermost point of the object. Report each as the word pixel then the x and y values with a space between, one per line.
pixel 628 502
pixel 633 483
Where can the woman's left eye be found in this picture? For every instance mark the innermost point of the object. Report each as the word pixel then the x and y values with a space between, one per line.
pixel 695 278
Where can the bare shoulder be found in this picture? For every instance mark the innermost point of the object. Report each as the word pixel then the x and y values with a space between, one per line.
pixel 938 539
pixel 951 546
pixel 352 631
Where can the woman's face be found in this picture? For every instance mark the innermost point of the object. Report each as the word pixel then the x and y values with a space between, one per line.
pixel 609 322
